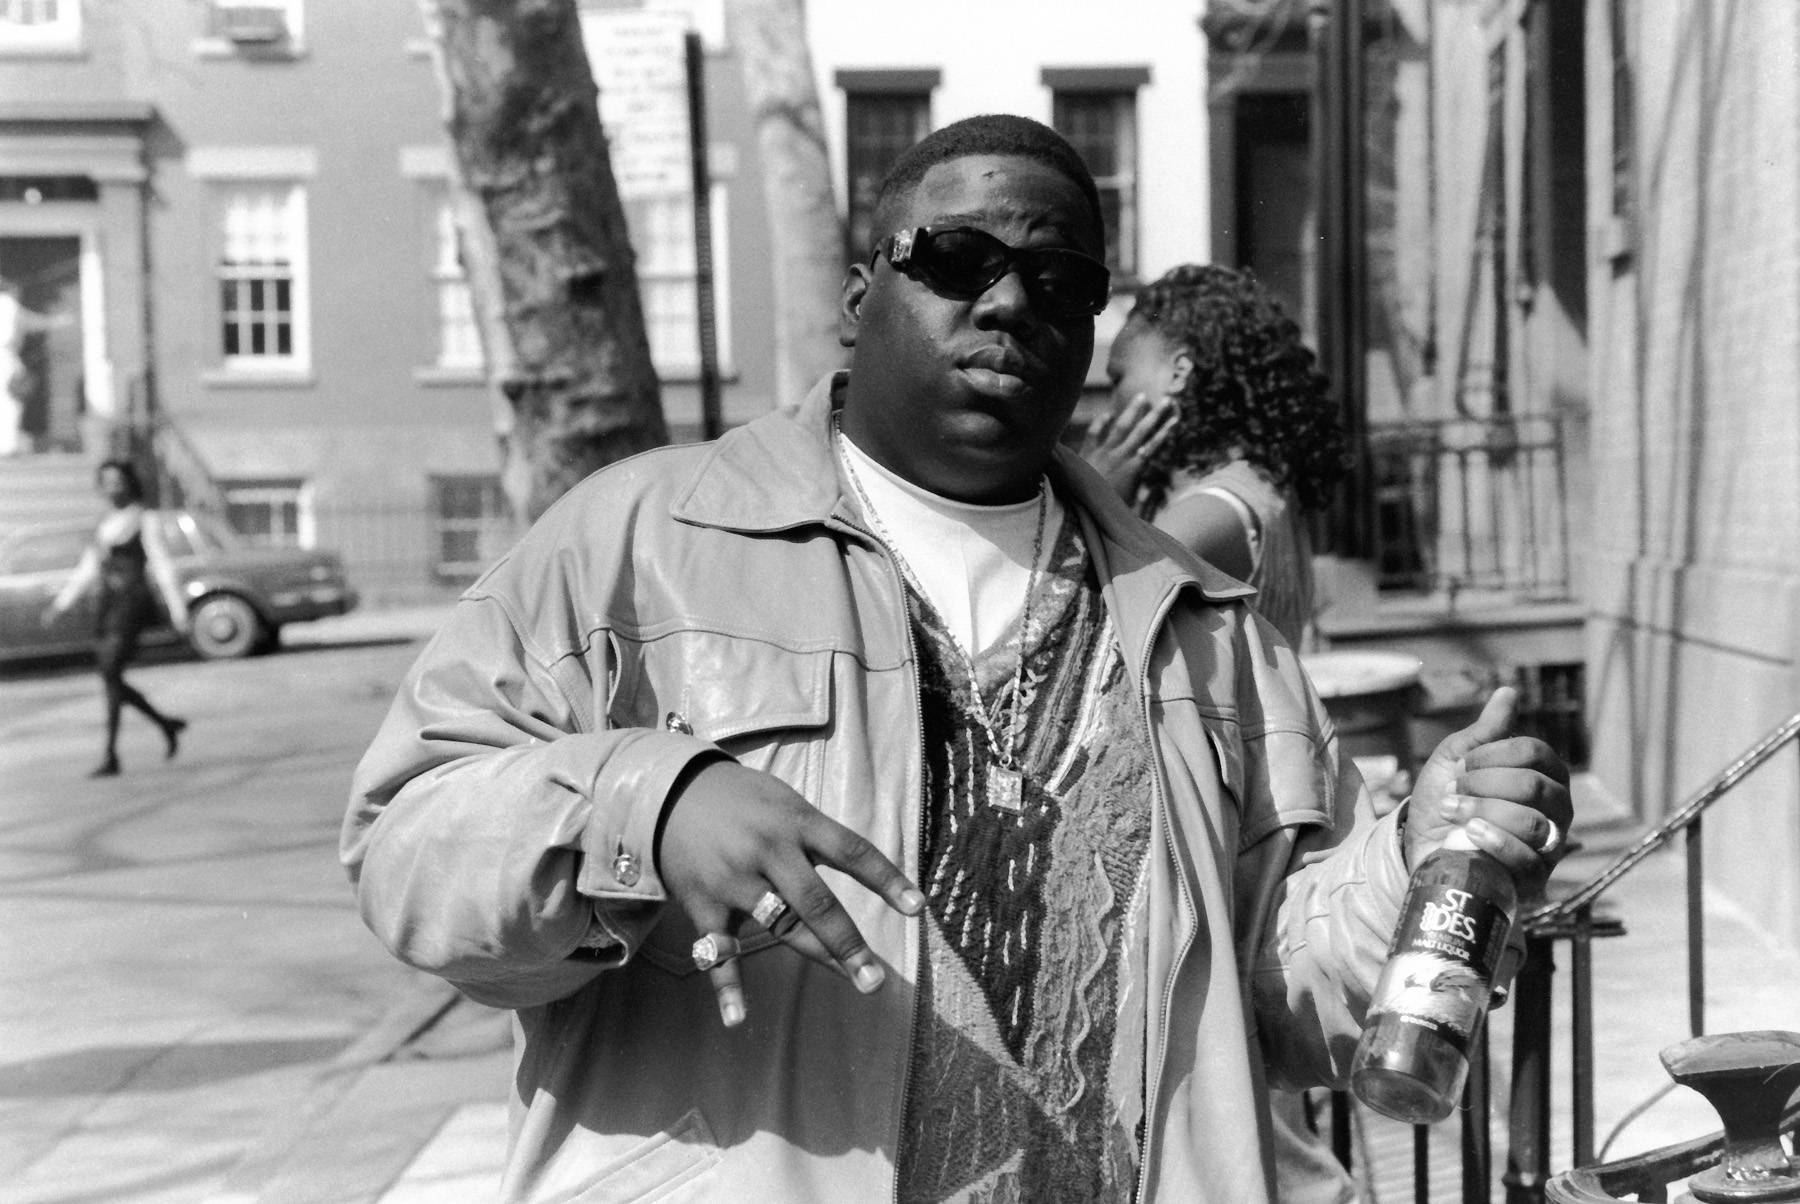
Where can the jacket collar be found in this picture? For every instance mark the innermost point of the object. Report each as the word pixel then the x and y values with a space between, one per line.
pixel 777 473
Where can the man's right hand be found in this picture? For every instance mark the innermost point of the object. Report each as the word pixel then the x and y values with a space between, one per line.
pixel 730 834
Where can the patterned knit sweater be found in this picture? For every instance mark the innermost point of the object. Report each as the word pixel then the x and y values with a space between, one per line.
pixel 1027 1078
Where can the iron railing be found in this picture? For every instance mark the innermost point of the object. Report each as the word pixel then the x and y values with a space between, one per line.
pixel 1573 918
pixel 1470 504
pixel 1578 920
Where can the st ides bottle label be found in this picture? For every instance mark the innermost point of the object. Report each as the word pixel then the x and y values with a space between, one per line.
pixel 1446 948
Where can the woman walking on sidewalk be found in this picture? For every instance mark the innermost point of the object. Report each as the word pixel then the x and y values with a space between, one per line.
pixel 124 559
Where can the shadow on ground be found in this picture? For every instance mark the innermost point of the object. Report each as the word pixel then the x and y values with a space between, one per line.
pixel 107 1068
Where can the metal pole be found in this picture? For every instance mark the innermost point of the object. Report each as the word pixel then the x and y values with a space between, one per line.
pixel 712 423
pixel 1326 168
pixel 1528 1146
pixel 1696 934
pixel 1477 1152
pixel 1340 1128
pixel 1421 1164
pixel 1581 971
pixel 1353 290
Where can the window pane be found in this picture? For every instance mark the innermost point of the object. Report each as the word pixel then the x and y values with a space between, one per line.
pixel 877 128
pixel 256 269
pixel 266 510
pixel 39 16
pixel 249 518
pixel 459 339
pixel 1102 127
pixel 460 546
pixel 470 525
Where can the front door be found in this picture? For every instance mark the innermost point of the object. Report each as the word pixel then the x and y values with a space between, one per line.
pixel 42 391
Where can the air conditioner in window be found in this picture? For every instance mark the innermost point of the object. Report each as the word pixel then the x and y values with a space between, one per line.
pixel 251 23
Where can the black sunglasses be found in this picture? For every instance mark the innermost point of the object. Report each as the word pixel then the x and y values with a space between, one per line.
pixel 962 263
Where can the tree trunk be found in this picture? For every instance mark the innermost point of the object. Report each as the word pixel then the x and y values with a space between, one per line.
pixel 805 232
pixel 563 326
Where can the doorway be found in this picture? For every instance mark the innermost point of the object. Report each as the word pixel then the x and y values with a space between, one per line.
pixel 42 385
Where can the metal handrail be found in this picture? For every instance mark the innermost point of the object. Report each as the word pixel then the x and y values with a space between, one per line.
pixel 1573 919
pixel 1685 817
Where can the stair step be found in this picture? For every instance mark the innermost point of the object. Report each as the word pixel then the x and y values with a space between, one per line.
pixel 45 487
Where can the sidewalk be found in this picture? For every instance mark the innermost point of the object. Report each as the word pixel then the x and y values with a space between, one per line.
pixel 369 625
pixel 415 1113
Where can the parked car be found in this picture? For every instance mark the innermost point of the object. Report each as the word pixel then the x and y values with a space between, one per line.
pixel 239 594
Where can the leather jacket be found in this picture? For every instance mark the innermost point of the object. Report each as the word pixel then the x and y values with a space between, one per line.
pixel 721 596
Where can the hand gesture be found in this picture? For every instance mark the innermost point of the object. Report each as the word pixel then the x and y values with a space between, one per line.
pixel 1510 793
pixel 732 835
pixel 1117 446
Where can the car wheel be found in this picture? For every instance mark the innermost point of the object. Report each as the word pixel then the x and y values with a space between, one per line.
pixel 225 626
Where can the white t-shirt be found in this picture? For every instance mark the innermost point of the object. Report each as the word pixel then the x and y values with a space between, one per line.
pixel 972 562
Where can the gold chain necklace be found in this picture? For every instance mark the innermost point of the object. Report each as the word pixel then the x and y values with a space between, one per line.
pixel 1005 777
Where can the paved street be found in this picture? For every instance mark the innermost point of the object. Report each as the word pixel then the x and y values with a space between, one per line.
pixel 193 1012
pixel 183 961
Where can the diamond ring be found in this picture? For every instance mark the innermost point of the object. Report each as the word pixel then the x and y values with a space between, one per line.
pixel 714 950
pixel 768 909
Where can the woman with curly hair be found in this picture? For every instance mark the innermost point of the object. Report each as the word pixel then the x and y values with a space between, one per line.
pixel 1223 432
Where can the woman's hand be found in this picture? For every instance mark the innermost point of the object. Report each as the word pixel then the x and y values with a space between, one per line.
pixel 1117 446
pixel 731 835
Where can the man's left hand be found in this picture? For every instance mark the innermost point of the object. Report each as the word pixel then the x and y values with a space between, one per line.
pixel 1510 793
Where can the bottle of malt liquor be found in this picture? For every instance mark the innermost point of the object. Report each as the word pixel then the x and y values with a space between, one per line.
pixel 1433 993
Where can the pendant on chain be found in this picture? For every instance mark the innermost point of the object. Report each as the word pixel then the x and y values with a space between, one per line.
pixel 1006 789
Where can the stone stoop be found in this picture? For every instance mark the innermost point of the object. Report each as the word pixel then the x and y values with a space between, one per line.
pixel 46 487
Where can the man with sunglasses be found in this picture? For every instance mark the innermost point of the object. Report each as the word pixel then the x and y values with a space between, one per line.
pixel 868 805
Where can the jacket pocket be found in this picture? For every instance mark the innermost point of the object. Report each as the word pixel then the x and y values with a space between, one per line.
pixel 1275 776
pixel 766 706
pixel 667 1167
pixel 762 703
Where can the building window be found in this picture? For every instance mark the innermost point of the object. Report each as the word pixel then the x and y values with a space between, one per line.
pixel 262 277
pixel 40 25
pixel 662 232
pixel 472 523
pixel 662 229
pixel 255 24
pixel 459 338
pixel 272 511
pixel 1552 707
pixel 1275 222
pixel 878 126
pixel 1102 126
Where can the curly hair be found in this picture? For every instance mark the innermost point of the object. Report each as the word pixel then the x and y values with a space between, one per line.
pixel 1254 386
pixel 134 483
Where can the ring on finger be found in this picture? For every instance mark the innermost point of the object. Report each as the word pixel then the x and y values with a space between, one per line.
pixel 1553 841
pixel 769 909
pixel 714 950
